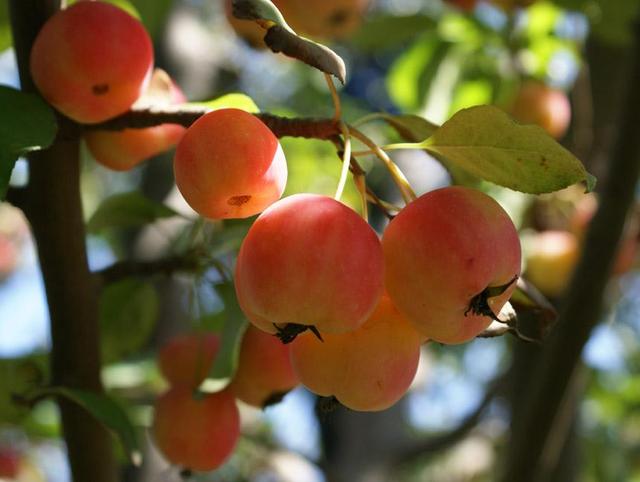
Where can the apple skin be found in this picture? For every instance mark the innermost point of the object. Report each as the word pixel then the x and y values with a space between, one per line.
pixel 264 372
pixel 91 61
pixel 309 260
pixel 185 360
pixel 537 103
pixel 123 150
pixel 197 432
pixel 441 251
pixel 551 260
pixel 368 369
pixel 229 165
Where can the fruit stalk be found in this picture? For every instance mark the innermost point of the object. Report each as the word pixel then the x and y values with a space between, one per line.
pixel 54 209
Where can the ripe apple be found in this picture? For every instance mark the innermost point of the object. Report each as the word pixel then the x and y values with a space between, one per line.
pixel 537 103
pixel 91 61
pixel 264 374
pixel 444 252
pixel 196 431
pixel 368 369
pixel 186 359
pixel 125 149
pixel 309 260
pixel 229 165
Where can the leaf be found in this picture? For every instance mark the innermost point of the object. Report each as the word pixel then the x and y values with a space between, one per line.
pixel 413 128
pixel 235 101
pixel 128 313
pixel 397 30
pixel 19 376
pixel 412 74
pixel 280 37
pixel 5 29
pixel 154 14
pixel 486 143
pixel 127 210
pixel 259 10
pixel 27 124
pixel 234 325
pixel 316 55
pixel 106 410
pixel 410 127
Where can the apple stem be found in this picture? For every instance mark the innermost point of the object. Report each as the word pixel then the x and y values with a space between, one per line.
pixel 346 160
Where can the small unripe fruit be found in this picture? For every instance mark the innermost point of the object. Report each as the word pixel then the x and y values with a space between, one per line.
pixel 368 369
pixel 442 252
pixel 551 260
pixel 186 360
pixel 125 149
pixel 230 165
pixel 309 260
pixel 91 61
pixel 197 432
pixel 264 374
pixel 537 103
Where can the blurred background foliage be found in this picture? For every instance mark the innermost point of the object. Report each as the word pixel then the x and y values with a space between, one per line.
pixel 424 57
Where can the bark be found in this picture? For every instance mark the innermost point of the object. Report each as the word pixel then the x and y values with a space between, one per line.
pixel 53 207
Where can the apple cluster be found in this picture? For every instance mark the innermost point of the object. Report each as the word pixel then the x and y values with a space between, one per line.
pixel 332 305
pixel 209 425
pixel 94 61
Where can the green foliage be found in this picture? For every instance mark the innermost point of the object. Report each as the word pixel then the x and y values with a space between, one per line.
pixel 19 376
pixel 127 210
pixel 27 124
pixel 397 31
pixel 486 143
pixel 106 410
pixel 5 30
pixel 233 327
pixel 128 314
pixel 235 100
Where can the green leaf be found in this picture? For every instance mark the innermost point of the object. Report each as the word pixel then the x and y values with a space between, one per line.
pixel 27 124
pixel 486 143
pixel 281 38
pixel 106 410
pixel 127 210
pixel 412 74
pixel 125 5
pixel 259 10
pixel 128 314
pixel 397 30
pixel 234 325
pixel 19 376
pixel 235 101
pixel 5 28
pixel 411 128
pixel 154 14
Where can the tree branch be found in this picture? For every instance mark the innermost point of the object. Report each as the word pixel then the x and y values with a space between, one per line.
pixel 583 305
pixel 166 266
pixel 186 115
pixel 54 210
pixel 446 440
